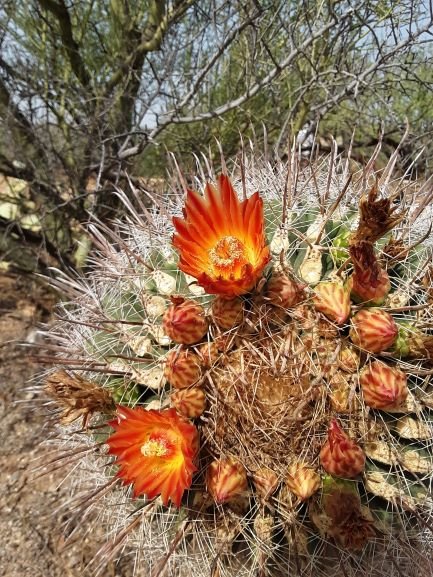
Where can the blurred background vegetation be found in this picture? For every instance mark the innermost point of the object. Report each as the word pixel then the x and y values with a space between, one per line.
pixel 93 93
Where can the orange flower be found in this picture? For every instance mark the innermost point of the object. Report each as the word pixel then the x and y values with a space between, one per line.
pixel 221 239
pixel 155 452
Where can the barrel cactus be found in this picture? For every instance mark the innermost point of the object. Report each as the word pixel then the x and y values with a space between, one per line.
pixel 245 376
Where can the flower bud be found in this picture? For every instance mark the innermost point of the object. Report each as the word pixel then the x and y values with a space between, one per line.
pixel 383 386
pixel 333 300
pixel 190 403
pixel 227 313
pixel 182 369
pixel 373 330
pixel 226 479
pixel 184 321
pixel 340 456
pixel 283 291
pixel 265 482
pixel 303 481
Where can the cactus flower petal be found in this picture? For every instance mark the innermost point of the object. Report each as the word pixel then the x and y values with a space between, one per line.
pixel 155 452
pixel 221 240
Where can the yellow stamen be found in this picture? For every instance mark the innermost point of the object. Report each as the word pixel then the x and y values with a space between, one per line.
pixel 154 449
pixel 228 253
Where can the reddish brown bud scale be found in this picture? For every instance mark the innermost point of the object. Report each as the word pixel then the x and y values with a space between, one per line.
pixel 340 456
pixel 383 386
pixel 190 403
pixel 373 330
pixel 185 321
pixel 182 369
pixel 333 300
pixel 226 480
pixel 227 313
pixel 283 291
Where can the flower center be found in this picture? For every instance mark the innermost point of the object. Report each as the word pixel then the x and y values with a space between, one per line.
pixel 228 254
pixel 152 448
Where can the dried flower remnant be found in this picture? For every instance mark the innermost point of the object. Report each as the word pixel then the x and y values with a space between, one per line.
pixel 155 451
pixel 77 397
pixel 369 282
pixel 349 525
pixel 377 217
pixel 221 240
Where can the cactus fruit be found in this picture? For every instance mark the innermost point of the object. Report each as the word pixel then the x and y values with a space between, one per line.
pixel 299 434
pixel 282 290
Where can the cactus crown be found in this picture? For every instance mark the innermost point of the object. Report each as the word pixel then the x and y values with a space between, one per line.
pixel 305 375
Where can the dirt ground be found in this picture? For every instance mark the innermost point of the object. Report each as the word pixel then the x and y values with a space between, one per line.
pixel 32 538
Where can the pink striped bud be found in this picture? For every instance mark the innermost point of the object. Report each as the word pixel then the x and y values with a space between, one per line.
pixel 182 369
pixel 184 321
pixel 333 300
pixel 373 330
pixel 226 480
pixel 383 386
pixel 340 456
pixel 190 403
pixel 283 291
pixel 227 313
